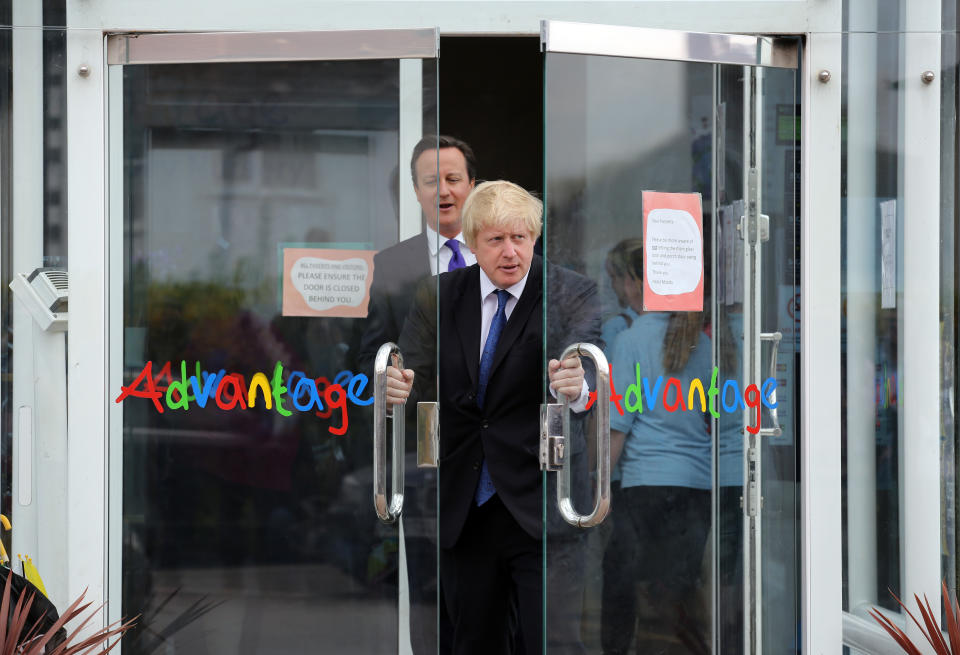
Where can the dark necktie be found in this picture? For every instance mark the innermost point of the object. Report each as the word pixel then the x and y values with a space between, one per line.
pixel 457 260
pixel 485 488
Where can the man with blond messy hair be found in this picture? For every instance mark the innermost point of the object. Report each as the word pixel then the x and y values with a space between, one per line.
pixel 491 387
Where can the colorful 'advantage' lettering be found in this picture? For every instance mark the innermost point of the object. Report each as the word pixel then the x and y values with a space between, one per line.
pixel 641 392
pixel 230 391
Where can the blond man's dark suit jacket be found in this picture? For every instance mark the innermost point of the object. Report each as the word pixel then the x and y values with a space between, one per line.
pixel 506 430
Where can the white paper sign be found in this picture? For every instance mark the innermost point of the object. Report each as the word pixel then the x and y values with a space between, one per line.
pixel 674 255
pixel 326 283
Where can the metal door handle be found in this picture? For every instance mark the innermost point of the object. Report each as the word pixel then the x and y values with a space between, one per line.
pixel 773 337
pixel 555 435
pixel 387 513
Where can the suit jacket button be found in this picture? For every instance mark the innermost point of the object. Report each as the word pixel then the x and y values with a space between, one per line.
pixel 476 466
pixel 485 425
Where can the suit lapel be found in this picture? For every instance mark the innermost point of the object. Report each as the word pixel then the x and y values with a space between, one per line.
pixel 466 312
pixel 529 300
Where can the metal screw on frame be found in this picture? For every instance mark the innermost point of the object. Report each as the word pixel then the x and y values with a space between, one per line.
pixel 823 76
pixel 83 70
pixel 927 77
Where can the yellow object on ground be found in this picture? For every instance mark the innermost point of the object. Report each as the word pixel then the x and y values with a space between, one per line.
pixel 31 573
pixel 4 558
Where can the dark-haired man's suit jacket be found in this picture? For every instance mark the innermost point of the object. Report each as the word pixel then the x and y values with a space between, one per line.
pixel 506 430
pixel 397 271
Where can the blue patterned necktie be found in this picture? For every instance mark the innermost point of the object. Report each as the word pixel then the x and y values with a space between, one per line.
pixel 457 260
pixel 485 488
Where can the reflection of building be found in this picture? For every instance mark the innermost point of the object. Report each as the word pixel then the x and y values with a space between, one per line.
pixel 174 182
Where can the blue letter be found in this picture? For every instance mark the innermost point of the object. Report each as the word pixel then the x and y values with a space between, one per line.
pixel 766 394
pixel 356 386
pixel 737 401
pixel 652 397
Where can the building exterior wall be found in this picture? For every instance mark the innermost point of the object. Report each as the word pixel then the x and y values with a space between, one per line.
pixel 876 138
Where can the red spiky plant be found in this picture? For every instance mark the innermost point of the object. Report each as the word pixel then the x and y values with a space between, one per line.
pixel 18 638
pixel 930 630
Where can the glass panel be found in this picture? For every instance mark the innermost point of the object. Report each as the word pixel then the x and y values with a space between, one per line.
pixel 872 295
pixel 778 313
pixel 254 198
pixel 6 276
pixel 671 553
pixel 948 305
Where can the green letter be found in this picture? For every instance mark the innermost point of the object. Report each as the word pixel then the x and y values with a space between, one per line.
pixel 276 386
pixel 635 388
pixel 182 387
pixel 712 393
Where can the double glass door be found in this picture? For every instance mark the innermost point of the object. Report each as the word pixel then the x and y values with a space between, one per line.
pixel 253 179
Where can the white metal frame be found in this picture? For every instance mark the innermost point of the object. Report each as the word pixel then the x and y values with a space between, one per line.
pixel 822 575
pixel 88 391
pixel 649 43
pixel 233 47
pixel 39 445
pixel 920 436
pixel 474 17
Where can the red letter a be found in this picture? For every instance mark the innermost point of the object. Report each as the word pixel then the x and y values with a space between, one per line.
pixel 145 377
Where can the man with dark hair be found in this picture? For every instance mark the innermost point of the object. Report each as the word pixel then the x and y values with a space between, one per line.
pixel 431 142
pixel 443 171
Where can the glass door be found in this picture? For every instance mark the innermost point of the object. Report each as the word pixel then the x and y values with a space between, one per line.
pixel 260 207
pixel 671 183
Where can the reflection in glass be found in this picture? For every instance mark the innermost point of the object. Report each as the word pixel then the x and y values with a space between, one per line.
pixel 666 567
pixel 948 304
pixel 247 530
pixel 6 272
pixel 872 237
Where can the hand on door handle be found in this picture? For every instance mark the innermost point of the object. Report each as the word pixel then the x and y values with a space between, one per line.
pixel 566 377
pixel 555 432
pixel 391 386
pixel 399 383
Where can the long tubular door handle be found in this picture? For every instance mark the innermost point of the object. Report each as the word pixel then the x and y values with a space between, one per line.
pixel 774 338
pixel 388 513
pixel 601 506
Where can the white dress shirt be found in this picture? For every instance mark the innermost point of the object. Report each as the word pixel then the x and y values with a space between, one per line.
pixel 441 254
pixel 488 309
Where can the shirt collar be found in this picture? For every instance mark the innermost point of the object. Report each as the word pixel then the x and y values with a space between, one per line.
pixel 435 240
pixel 487 286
